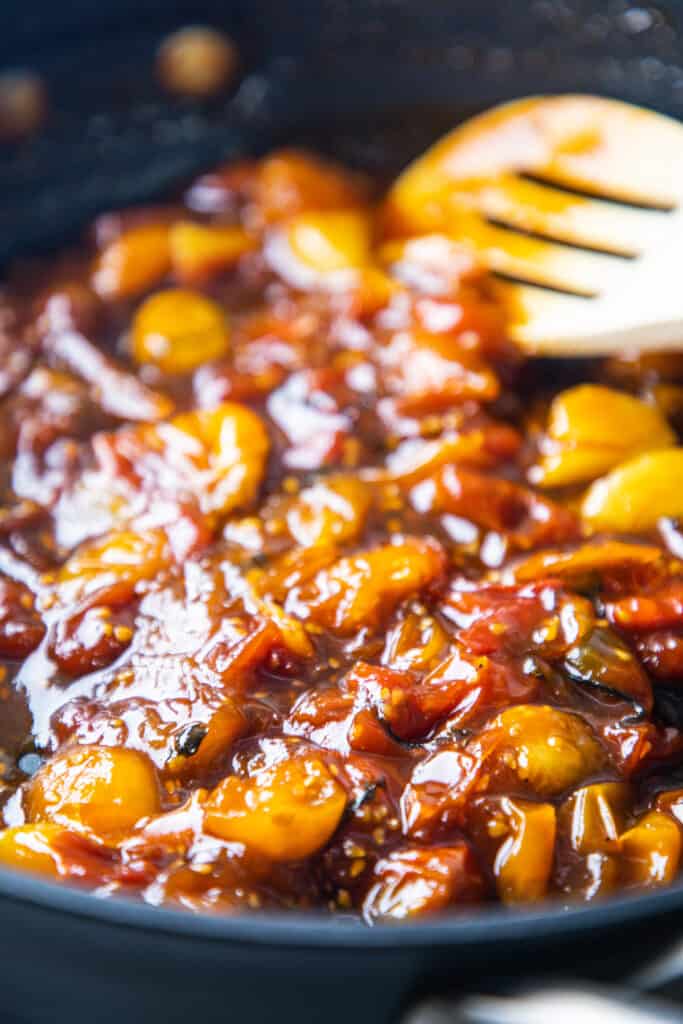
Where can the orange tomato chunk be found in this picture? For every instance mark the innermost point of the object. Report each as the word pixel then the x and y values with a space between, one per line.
pixel 651 850
pixel 363 589
pixel 135 261
pixel 414 882
pixel 200 250
pixel 520 836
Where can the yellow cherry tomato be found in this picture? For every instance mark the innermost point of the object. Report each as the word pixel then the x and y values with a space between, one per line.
pixel 594 816
pixel 178 330
pixel 363 589
pixel 591 429
pixel 332 511
pixel 546 749
pixel 105 790
pixel 286 812
pixel 635 495
pixel 227 448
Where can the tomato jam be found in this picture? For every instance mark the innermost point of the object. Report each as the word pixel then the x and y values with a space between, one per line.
pixel 314 593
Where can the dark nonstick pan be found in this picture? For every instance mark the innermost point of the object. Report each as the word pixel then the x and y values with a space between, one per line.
pixel 372 82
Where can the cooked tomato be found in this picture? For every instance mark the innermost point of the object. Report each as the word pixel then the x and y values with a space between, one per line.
pixel 312 595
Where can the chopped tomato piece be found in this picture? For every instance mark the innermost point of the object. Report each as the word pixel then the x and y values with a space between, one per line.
pixel 414 882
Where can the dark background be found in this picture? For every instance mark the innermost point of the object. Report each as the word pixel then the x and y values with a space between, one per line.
pixel 370 80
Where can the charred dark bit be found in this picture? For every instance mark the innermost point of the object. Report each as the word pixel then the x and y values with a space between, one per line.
pixel 604 661
pixel 258 561
pixel 534 667
pixel 669 705
pixel 406 744
pixel 367 796
pixel 639 713
pixel 459 735
pixel 189 740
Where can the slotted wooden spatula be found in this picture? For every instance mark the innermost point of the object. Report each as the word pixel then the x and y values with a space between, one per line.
pixel 575 202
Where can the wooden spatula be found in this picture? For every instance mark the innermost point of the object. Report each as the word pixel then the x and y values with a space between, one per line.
pixel 575 203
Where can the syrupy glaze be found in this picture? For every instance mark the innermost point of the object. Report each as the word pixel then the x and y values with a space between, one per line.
pixel 314 593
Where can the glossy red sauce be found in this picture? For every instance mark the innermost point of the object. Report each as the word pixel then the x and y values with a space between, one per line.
pixel 302 601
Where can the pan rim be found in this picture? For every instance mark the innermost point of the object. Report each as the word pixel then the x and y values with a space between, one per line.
pixel 485 926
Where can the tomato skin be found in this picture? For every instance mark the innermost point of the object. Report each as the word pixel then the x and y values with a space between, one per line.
pixel 498 505
pixel 90 640
pixel 414 881
pixel 436 797
pixel 21 627
pixel 661 609
pixel 661 653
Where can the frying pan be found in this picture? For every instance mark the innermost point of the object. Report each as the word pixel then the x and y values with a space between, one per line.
pixel 371 82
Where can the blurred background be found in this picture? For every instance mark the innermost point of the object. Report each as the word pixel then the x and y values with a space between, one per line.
pixel 90 117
